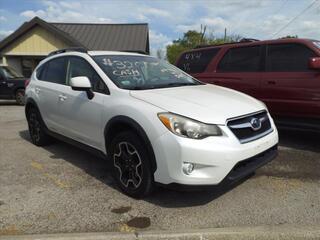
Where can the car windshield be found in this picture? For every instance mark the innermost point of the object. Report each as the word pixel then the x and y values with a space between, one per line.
pixel 142 72
pixel 10 72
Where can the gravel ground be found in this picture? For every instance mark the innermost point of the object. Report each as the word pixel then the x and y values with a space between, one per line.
pixel 60 189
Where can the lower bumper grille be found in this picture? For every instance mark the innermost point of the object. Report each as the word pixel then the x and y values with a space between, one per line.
pixel 245 167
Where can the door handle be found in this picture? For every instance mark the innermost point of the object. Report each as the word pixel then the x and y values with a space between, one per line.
pixel 4 82
pixel 271 82
pixel 62 97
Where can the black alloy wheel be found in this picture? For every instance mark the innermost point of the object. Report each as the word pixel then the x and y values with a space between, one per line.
pixel 131 165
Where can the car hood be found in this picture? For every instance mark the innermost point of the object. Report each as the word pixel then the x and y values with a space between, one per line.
pixel 206 103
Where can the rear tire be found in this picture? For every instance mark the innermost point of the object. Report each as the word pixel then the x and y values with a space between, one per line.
pixel 131 165
pixel 20 97
pixel 37 132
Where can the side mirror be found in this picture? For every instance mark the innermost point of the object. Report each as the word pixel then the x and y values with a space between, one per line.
pixel 314 63
pixel 82 83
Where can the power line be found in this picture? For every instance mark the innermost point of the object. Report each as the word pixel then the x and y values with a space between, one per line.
pixel 284 2
pixel 280 8
pixel 274 13
pixel 293 19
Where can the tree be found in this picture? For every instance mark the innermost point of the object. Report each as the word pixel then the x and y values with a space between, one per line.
pixel 191 39
pixel 160 54
pixel 174 50
pixel 290 36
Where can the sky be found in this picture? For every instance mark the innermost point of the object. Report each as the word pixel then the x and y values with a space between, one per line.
pixel 169 19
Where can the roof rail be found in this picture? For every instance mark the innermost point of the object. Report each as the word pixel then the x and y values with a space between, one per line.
pixel 249 40
pixel 213 45
pixel 71 49
pixel 243 40
pixel 135 51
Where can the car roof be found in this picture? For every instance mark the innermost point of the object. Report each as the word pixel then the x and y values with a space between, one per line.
pixel 75 52
pixel 97 53
pixel 82 50
pixel 257 42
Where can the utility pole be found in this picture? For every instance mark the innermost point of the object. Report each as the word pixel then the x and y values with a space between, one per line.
pixel 225 34
pixel 202 32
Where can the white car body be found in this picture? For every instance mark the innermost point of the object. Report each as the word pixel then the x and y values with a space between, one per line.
pixel 71 114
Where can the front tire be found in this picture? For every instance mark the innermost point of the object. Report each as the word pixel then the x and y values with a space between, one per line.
pixel 37 132
pixel 20 97
pixel 131 165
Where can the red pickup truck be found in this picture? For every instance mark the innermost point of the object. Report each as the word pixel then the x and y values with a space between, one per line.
pixel 283 73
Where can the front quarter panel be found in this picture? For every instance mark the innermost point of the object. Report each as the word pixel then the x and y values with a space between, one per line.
pixel 145 114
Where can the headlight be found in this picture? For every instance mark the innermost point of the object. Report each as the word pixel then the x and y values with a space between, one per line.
pixel 186 127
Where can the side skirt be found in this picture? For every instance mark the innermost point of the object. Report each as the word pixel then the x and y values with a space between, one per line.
pixel 77 144
pixel 70 141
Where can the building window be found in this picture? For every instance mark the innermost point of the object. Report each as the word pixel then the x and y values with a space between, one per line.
pixel 29 64
pixel 27 67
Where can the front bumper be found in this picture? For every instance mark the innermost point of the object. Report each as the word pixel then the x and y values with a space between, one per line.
pixel 215 158
pixel 239 172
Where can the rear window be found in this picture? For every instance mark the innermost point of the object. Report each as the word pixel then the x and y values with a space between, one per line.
pixel 40 71
pixel 10 73
pixel 288 58
pixel 243 59
pixel 197 61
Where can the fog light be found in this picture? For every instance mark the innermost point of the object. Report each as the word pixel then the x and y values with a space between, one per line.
pixel 187 168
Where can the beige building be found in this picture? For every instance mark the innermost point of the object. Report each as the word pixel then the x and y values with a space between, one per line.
pixel 34 40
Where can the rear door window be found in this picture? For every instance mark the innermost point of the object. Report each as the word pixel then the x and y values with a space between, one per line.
pixel 241 59
pixel 197 61
pixel 290 57
pixel 55 71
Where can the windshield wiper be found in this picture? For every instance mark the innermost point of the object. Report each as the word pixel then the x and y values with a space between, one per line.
pixel 175 84
pixel 136 88
pixel 180 84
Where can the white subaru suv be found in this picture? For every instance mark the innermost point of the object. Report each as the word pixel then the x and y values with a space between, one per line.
pixel 152 121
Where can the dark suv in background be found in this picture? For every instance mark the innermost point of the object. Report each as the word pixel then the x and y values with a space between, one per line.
pixel 284 73
pixel 12 84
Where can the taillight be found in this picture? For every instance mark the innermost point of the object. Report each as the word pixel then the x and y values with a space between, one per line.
pixel 26 82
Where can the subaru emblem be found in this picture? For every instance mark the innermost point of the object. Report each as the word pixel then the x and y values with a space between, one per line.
pixel 255 124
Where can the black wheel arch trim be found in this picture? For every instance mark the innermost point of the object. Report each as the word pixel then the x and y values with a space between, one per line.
pixel 60 137
pixel 115 120
pixel 31 102
pixel 139 130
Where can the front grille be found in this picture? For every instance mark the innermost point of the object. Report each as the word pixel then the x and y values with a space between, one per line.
pixel 247 128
